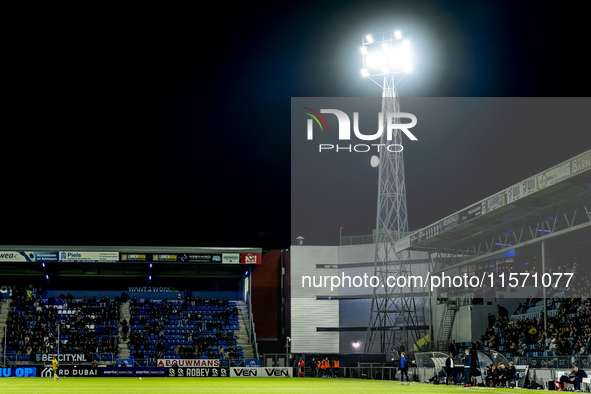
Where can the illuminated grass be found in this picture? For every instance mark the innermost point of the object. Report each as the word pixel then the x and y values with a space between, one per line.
pixel 220 385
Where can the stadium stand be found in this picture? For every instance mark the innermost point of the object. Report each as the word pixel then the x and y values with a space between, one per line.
pixel 192 328
pixel 85 326
pixel 568 330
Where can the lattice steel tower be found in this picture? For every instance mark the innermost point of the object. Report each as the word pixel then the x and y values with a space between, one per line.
pixel 393 309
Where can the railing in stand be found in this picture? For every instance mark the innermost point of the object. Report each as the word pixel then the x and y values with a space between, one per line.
pixel 253 335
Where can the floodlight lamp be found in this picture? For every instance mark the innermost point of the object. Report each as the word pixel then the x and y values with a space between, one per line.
pixel 365 72
pixel 385 70
pixel 406 44
pixel 395 57
pixel 369 38
pixel 397 34
pixel 376 59
pixel 385 47
pixel 408 68
pixel 363 50
pixel 398 57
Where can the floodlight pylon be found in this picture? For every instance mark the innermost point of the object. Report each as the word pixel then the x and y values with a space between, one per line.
pixel 393 308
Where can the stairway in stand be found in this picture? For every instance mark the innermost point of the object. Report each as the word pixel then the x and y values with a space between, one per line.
pixel 4 308
pixel 244 333
pixel 125 314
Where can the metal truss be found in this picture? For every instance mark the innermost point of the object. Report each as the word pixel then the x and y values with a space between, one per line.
pixel 392 309
pixel 540 223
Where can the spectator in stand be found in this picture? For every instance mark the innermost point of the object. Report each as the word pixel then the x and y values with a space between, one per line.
pixel 124 330
pixel 491 320
pixel 503 312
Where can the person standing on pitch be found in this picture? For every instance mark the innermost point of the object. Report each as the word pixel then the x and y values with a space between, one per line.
pixel 403 369
pixel 302 367
pixel 54 364
pixel 449 368
pixel 467 360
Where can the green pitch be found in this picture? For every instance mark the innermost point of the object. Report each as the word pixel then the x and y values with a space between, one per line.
pixel 222 385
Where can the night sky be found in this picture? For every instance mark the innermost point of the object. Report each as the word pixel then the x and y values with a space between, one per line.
pixel 153 126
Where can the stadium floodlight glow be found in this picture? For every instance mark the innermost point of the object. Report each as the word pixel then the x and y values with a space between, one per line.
pixel 355 345
pixel 47 277
pixel 395 57
pixel 150 277
pixel 375 59
pixel 150 265
pixel 43 264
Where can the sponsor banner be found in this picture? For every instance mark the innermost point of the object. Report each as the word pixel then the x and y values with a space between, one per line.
pixel 89 257
pixel 580 163
pixel 170 258
pixel 252 362
pixel 152 289
pixel 529 187
pixel 468 214
pixel 23 372
pixel 67 358
pixel 513 193
pixel 495 202
pixel 523 189
pixel 135 257
pixel 245 372
pixel 553 176
pixel 230 258
pixel 261 372
pixel 165 257
pixel 443 225
pixel 69 370
pixel 188 362
pixel 187 258
pixel 277 372
pixel 29 256
pixel 197 372
pixel 251 258
pixel 134 372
